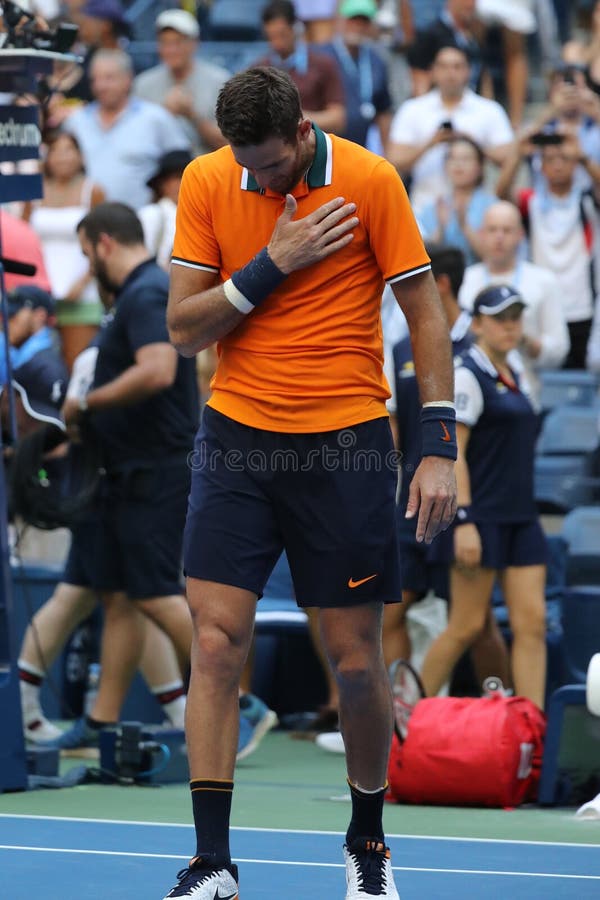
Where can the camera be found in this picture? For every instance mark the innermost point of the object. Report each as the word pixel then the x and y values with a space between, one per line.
pixel 447 125
pixel 546 138
pixel 23 31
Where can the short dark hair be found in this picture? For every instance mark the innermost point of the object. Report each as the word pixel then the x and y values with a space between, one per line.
pixel 258 104
pixel 115 219
pixel 279 9
pixel 451 46
pixel 447 260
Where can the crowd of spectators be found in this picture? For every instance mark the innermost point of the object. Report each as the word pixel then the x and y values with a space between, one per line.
pixel 506 173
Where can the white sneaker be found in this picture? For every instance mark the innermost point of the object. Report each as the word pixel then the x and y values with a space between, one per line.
pixel 369 870
pixel 38 729
pixel 205 883
pixel 332 741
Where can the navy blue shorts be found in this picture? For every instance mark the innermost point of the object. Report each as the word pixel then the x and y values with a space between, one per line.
pixel 502 545
pixel 328 499
pixel 140 531
pixel 80 565
pixel 421 572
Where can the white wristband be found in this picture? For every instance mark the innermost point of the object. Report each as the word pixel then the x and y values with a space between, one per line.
pixel 236 298
pixel 448 404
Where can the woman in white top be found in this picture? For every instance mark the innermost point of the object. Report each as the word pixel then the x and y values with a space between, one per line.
pixel 68 196
pixel 158 218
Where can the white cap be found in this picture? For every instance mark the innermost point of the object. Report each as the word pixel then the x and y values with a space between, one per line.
pixel 179 20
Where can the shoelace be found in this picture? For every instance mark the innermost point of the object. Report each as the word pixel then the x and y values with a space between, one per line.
pixel 185 890
pixel 370 862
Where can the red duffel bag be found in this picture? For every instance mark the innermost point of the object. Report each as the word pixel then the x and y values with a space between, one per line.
pixel 459 751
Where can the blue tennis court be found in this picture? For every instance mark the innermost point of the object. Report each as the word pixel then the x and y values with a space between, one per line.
pixel 70 858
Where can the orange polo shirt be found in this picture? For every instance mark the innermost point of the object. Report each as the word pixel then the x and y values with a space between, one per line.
pixel 310 357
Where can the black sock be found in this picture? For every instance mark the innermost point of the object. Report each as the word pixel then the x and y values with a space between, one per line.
pixel 367 814
pixel 211 801
pixel 94 723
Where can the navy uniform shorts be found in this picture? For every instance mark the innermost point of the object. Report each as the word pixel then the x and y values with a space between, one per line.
pixel 138 542
pixel 421 571
pixel 80 564
pixel 502 544
pixel 327 498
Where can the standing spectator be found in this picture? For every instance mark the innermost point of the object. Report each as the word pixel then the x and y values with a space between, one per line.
pixel 122 137
pixel 271 261
pixel 455 27
pixel 68 195
pixel 586 55
pixel 423 125
pixel 315 74
pixel 364 73
pixel 158 218
pixel 318 18
pixel 455 218
pixel 496 530
pixel 184 84
pixel 545 340
pixel 561 222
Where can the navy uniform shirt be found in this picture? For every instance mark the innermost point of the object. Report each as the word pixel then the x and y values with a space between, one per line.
pixel 408 406
pixel 501 448
pixel 165 423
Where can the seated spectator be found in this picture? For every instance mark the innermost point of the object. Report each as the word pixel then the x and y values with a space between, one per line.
pixel 184 84
pixel 315 74
pixel 364 74
pixel 21 243
pixel 158 218
pixel 496 531
pixel 122 137
pixel 561 222
pixel 455 219
pixel 585 55
pixel 39 375
pixel 102 26
pixel 318 18
pixel 68 195
pixel 545 340
pixel 454 27
pixel 423 125
pixel 592 361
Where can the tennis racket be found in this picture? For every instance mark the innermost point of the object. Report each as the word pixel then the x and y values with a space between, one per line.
pixel 407 690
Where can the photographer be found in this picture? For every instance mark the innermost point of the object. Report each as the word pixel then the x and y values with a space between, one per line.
pixel 561 222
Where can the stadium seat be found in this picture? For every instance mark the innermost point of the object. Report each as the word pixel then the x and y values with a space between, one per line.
pixel 236 20
pixel 562 482
pixel 569 429
pixel 581 630
pixel 581 533
pixel 572 387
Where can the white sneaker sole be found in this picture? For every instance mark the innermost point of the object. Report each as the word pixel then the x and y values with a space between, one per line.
pixel 268 722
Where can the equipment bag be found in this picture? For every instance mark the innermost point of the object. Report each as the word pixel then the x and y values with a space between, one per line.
pixel 469 751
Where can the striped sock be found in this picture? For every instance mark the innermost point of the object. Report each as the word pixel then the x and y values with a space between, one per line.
pixel 30 683
pixel 211 802
pixel 172 698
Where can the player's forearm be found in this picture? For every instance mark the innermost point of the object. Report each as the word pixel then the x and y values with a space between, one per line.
pixel 197 321
pixel 432 350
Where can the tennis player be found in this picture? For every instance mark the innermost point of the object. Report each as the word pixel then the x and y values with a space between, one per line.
pixel 284 241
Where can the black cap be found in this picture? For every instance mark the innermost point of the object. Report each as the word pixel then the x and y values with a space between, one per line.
pixel 41 383
pixel 28 296
pixel 169 163
pixel 495 299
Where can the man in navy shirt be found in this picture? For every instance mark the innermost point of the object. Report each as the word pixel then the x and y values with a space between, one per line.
pixel 143 407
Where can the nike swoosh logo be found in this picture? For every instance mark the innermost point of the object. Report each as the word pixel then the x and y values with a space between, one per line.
pixel 354 584
pixel 446 435
pixel 219 896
